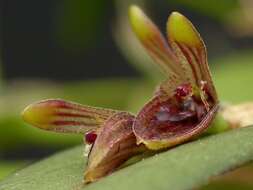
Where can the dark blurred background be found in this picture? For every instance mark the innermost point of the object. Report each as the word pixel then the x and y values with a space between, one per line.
pixel 60 40
pixel 70 40
pixel 84 51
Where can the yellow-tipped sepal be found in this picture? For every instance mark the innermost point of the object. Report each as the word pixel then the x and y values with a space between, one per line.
pixel 62 116
pixel 180 29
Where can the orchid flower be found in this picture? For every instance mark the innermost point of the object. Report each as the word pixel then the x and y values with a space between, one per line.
pixel 182 108
pixel 186 102
pixel 107 133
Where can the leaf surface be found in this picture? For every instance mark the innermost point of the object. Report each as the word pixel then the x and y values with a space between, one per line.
pixel 184 167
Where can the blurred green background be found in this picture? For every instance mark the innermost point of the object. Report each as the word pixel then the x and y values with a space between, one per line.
pixel 84 51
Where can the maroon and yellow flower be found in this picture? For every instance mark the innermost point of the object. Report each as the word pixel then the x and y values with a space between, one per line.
pixel 108 133
pixel 182 108
pixel 185 103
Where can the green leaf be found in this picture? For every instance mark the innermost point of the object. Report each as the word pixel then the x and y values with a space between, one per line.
pixel 9 167
pixel 184 167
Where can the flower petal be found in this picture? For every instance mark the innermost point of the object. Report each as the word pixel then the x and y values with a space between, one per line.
pixel 62 116
pixel 164 123
pixel 115 144
pixel 190 49
pixel 155 44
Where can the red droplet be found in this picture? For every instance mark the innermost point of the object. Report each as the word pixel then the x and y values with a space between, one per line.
pixel 90 137
pixel 183 90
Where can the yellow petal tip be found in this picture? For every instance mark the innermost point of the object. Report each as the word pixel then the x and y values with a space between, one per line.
pixel 180 29
pixel 134 8
pixel 135 13
pixel 37 115
pixel 140 23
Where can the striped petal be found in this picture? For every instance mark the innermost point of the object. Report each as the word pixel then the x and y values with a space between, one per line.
pixel 190 49
pixel 62 116
pixel 155 44
pixel 115 144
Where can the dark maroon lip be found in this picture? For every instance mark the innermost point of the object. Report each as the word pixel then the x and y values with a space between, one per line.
pixel 166 118
pixel 178 132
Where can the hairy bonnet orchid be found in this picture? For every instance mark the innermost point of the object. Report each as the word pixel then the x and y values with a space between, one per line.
pixel 182 108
